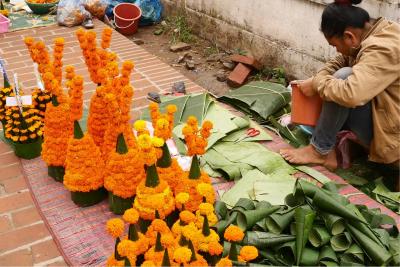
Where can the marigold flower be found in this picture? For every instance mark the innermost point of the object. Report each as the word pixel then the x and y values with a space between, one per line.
pixel 157 142
pixel 224 262
pixel 215 248
pixel 168 240
pixel 131 216
pixel 187 217
pixel 112 262
pixel 115 227
pixel 126 247
pixel 233 233
pixel 248 253
pixel 182 255
pixel 206 209
pixel 182 198
pixel 148 264
pixel 171 108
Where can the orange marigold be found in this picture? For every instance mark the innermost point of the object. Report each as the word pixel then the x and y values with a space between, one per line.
pixel 182 255
pixel 233 233
pixel 224 262
pixel 115 227
pixel 131 216
pixel 215 248
pixel 248 253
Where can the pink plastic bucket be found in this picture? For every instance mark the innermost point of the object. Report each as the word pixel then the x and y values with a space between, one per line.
pixel 4 23
pixel 126 18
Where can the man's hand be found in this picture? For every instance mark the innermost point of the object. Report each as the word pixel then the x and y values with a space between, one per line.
pixel 305 86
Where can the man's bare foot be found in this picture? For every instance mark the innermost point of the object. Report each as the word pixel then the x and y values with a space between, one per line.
pixel 308 155
pixel 304 155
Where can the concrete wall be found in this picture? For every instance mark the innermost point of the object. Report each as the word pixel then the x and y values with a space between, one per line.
pixel 277 32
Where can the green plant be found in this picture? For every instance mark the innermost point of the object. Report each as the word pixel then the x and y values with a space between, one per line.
pixel 240 51
pixel 178 28
pixel 212 49
pixel 278 75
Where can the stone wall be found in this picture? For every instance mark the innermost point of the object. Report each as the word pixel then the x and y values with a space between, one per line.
pixel 277 32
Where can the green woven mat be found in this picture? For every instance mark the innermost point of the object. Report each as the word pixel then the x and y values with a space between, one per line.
pixel 23 20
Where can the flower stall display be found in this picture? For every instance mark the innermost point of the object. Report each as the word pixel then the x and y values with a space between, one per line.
pixel 163 124
pixel 196 141
pixel 124 168
pixel 84 166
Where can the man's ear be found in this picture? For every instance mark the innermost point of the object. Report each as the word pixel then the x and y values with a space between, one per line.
pixel 350 38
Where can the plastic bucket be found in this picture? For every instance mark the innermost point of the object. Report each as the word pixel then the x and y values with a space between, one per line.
pixel 126 18
pixel 305 110
pixel 4 23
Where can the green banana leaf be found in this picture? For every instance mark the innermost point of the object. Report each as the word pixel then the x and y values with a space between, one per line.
pixel 304 218
pixel 287 253
pixel 220 209
pixel 375 252
pixel 269 258
pixel 279 221
pixel 327 255
pixel 263 240
pixel 341 242
pixel 179 102
pixel 319 236
pixel 291 200
pixel 263 98
pixel 314 174
pixel 195 106
pixel 309 257
pixel 394 248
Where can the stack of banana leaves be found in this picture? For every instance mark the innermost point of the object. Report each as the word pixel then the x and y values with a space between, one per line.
pixel 266 102
pixel 315 227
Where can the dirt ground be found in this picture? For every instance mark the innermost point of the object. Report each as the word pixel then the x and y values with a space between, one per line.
pixel 207 60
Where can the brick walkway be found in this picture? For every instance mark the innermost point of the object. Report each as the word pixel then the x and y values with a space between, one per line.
pixel 24 238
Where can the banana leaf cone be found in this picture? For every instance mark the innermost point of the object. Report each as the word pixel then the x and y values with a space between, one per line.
pixel 86 199
pixel 327 255
pixel 116 254
pixel 206 227
pixel 119 205
pixel 6 81
pixel 144 225
pixel 287 253
pixel 56 172
pixel 127 262
pixel 152 179
pixel 353 254
pixel 242 205
pixel 394 248
pixel 341 242
pixel 269 257
pixel 195 172
pixel 304 218
pixel 262 205
pixel 292 201
pixel 325 202
pixel 132 233
pixel 364 227
pixel 378 254
pixel 260 226
pixel 276 223
pixel 158 246
pixel 28 150
pixel 220 209
pixel 233 252
pixel 227 248
pixel 333 223
pixel 165 160
pixel 309 257
pixel 319 236
pixel 262 240
pixel 304 188
pixel 165 259
pixel 193 257
pixel 247 219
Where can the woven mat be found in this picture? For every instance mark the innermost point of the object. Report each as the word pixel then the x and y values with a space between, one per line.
pixel 80 232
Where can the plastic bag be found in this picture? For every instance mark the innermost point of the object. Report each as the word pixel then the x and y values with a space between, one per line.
pixel 97 7
pixel 151 11
pixel 71 13
pixel 113 3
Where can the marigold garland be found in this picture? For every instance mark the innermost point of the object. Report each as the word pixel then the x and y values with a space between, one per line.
pixel 76 98
pixel 196 140
pixel 57 129
pixel 84 166
pixel 106 38
pixel 98 116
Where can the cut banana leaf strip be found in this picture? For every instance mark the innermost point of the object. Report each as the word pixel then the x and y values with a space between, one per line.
pixel 328 254
pixel 333 223
pixel 375 218
pixel 353 254
pixel 278 222
pixel 341 242
pixel 375 252
pixel 195 106
pixel 319 236
pixel 383 236
pixel 314 174
pixel 304 217
pixel 263 240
